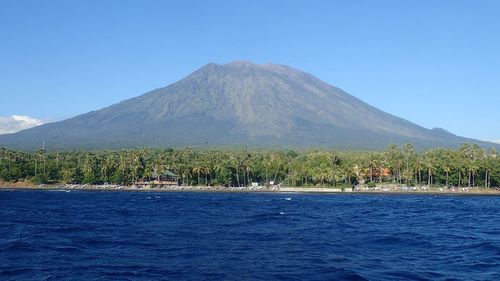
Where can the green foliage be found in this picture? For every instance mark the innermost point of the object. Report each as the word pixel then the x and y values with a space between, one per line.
pixel 39 179
pixel 468 166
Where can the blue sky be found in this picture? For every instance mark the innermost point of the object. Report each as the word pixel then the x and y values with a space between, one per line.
pixel 435 63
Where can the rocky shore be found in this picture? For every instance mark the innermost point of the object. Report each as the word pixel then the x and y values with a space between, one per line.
pixel 390 188
pixel 402 189
pixel 114 187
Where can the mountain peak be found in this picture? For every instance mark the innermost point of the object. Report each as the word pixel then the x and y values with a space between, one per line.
pixel 241 63
pixel 237 103
pixel 246 63
pixel 243 70
pixel 238 63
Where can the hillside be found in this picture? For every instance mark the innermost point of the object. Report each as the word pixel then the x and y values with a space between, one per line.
pixel 240 104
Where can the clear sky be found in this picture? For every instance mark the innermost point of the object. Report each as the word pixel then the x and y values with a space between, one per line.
pixel 435 63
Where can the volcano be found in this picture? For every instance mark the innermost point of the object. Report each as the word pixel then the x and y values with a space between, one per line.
pixel 236 104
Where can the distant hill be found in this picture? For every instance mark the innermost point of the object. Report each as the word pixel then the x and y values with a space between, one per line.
pixel 242 104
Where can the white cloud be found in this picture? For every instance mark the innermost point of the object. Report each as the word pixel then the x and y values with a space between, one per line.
pixel 496 141
pixel 16 123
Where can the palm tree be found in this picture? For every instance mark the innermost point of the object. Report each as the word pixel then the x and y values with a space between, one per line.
pixel 380 162
pixel 429 163
pixel 489 164
pixel 372 163
pixel 419 166
pixel 276 158
pixel 446 164
pixel 197 169
pixel 236 165
pixel 89 167
pixel 467 156
pixel 40 157
pixel 408 155
pixel 324 175
pixel 123 165
pixel 293 177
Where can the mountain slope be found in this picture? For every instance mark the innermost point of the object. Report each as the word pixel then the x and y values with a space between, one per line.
pixel 239 103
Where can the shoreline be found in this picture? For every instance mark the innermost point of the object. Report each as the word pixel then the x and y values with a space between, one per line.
pixel 260 189
pixel 117 188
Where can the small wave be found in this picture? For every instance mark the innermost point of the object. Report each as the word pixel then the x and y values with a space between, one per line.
pixel 403 239
pixel 484 247
pixel 49 277
pixel 16 271
pixel 407 275
pixel 263 217
pixel 66 229
pixel 19 246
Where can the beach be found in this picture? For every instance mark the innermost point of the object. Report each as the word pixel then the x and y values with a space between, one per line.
pixel 383 189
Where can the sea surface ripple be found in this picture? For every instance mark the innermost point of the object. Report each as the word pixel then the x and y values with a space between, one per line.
pixel 83 235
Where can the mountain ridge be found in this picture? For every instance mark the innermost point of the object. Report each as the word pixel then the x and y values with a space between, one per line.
pixel 238 103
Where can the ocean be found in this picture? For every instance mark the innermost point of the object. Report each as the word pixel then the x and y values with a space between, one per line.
pixel 93 235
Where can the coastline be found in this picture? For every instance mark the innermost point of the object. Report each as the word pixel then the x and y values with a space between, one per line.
pixel 112 187
pixel 260 189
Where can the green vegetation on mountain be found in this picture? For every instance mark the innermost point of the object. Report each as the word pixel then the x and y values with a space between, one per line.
pixel 469 166
pixel 237 104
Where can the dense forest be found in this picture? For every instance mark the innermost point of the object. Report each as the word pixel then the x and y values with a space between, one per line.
pixel 469 166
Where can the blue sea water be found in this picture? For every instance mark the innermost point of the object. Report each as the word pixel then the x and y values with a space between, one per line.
pixel 78 235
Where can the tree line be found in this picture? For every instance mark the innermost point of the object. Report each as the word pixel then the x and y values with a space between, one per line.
pixel 469 166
